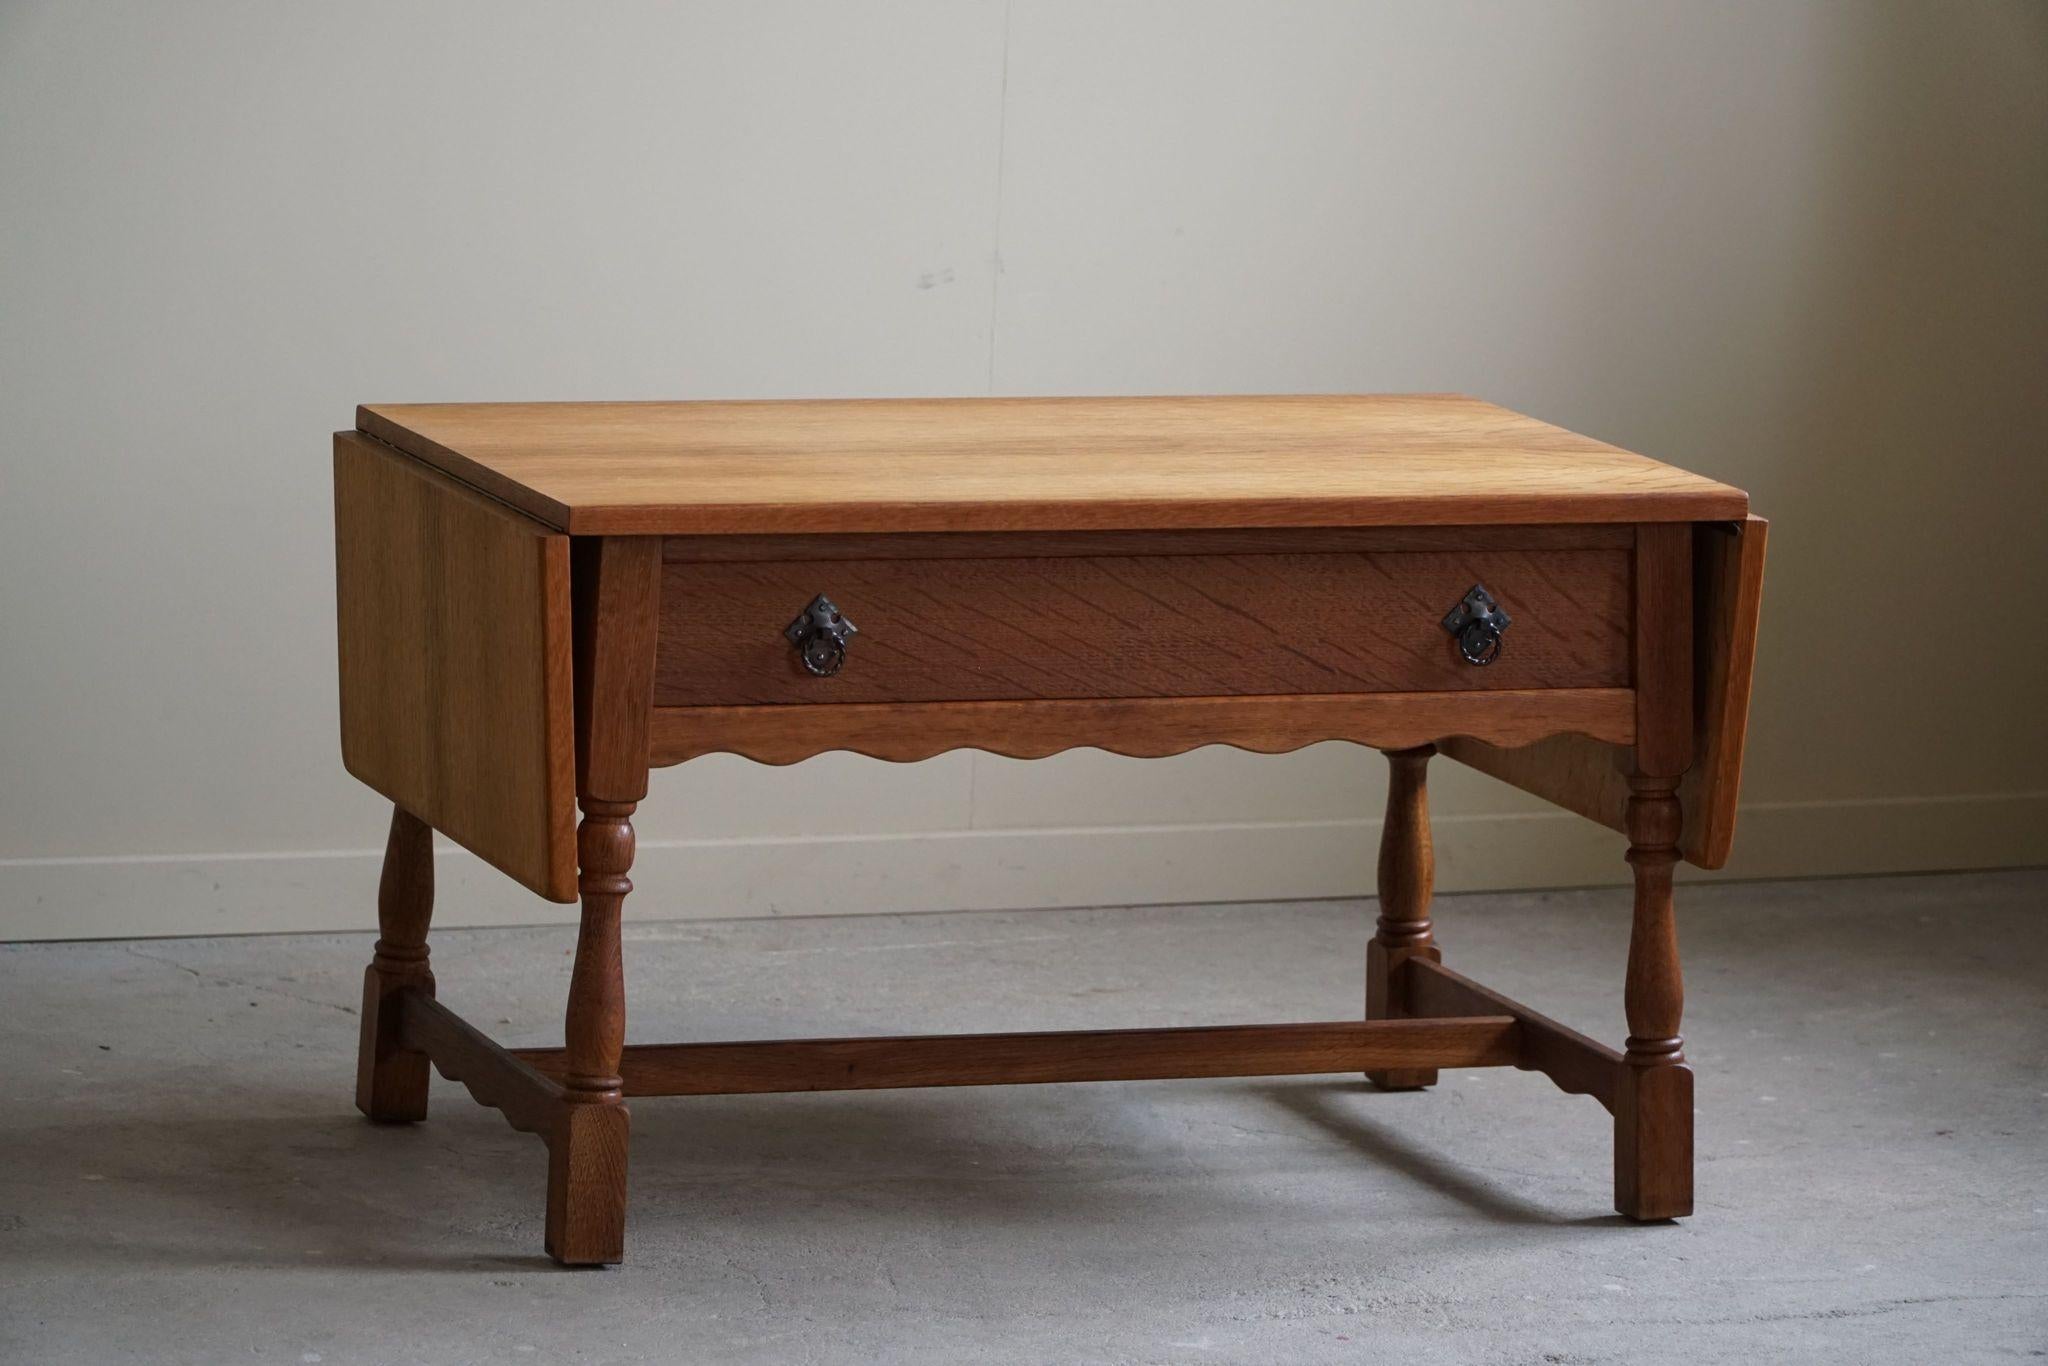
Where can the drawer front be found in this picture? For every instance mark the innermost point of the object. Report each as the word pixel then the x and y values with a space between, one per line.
pixel 1167 625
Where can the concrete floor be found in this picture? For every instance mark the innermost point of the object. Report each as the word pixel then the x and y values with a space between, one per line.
pixel 183 1179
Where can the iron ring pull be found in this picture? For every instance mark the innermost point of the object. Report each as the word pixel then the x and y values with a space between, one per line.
pixel 820 633
pixel 1476 624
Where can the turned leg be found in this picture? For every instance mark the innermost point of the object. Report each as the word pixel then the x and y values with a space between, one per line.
pixel 1653 1106
pixel 1407 873
pixel 587 1153
pixel 617 585
pixel 391 1080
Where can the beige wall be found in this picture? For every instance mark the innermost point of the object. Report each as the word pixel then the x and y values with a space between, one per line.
pixel 1803 248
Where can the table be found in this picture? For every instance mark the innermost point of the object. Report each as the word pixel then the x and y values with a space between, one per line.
pixel 538 603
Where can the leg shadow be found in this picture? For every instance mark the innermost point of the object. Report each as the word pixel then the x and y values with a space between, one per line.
pixel 1333 1107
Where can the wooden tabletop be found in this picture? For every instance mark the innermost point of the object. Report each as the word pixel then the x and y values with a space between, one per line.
pixel 1040 464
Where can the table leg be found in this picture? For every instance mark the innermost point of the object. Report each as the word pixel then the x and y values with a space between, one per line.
pixel 1653 1105
pixel 617 587
pixel 391 1080
pixel 1407 873
pixel 587 1153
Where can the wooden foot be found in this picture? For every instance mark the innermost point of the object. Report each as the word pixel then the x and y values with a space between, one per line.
pixel 1653 1103
pixel 586 1209
pixel 587 1186
pixel 391 1078
pixel 1407 873
pixel 1653 1143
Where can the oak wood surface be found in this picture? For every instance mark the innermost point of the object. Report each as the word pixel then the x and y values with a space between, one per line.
pixel 1728 589
pixel 1591 777
pixel 1146 727
pixel 618 597
pixel 701 1069
pixel 454 642
pixel 1579 1065
pixel 586 1143
pixel 1653 1110
pixel 595 1020
pixel 1040 464
pixel 530 1101
pixel 1407 878
pixel 618 583
pixel 1140 626
pixel 1663 640
pixel 1001 545
pixel 391 1078
pixel 586 1211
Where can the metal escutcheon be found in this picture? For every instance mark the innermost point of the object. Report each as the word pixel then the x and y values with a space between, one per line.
pixel 820 633
pixel 1476 624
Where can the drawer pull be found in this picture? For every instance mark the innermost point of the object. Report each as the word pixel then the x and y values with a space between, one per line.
pixel 819 633
pixel 1476 624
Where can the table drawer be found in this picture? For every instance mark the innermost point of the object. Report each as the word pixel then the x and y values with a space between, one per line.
pixel 1140 625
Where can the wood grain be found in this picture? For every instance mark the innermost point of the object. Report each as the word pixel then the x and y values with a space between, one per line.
pixel 454 643
pixel 1591 777
pixel 530 1101
pixel 1141 626
pixel 617 594
pixel 1147 575
pixel 391 1079
pixel 1580 1066
pixel 1270 1050
pixel 595 1019
pixel 1040 464
pixel 1663 649
pixel 1728 590
pixel 1653 1110
pixel 586 1212
pixel 617 597
pixel 1407 878
pixel 964 545
pixel 1145 727
pixel 586 1205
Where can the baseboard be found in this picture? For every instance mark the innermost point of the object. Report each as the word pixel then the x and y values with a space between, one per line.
pixel 997 869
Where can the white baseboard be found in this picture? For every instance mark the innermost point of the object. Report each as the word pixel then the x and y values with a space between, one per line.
pixel 96 898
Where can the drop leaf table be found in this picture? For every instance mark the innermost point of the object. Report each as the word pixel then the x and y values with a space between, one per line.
pixel 539 602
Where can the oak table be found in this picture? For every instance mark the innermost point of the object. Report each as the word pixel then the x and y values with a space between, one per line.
pixel 539 602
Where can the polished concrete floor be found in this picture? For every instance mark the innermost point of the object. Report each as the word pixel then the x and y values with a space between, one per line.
pixel 183 1179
